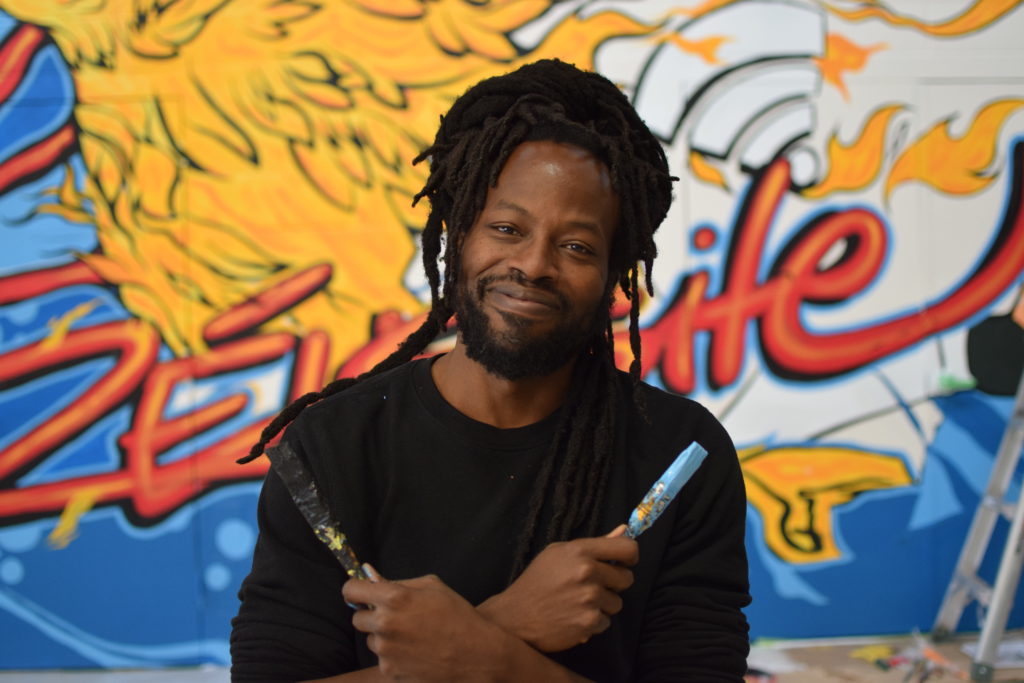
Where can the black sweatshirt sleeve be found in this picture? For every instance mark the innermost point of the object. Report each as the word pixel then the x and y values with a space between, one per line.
pixel 292 623
pixel 694 628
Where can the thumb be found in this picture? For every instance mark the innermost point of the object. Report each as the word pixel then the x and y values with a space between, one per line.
pixel 616 532
pixel 372 574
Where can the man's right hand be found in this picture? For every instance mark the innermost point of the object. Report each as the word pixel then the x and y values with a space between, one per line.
pixel 568 593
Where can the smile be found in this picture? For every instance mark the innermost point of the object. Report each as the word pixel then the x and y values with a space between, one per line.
pixel 523 301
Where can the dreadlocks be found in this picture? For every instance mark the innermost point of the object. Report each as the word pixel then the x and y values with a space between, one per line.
pixel 551 101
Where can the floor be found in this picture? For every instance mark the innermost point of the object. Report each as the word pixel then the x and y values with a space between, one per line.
pixel 906 659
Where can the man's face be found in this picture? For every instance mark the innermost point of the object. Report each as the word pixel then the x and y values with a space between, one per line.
pixel 534 264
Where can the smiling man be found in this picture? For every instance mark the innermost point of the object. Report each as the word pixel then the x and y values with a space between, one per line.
pixel 488 486
pixel 534 267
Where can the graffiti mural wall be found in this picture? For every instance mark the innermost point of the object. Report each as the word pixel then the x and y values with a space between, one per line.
pixel 205 211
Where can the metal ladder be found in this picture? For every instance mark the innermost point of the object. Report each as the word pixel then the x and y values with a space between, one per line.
pixel 966 584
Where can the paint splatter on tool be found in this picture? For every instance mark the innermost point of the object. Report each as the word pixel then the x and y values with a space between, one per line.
pixel 300 485
pixel 665 489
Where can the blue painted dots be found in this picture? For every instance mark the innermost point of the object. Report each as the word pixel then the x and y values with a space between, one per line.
pixel 217 577
pixel 12 571
pixel 235 539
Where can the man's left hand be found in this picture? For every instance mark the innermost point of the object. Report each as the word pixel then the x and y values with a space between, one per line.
pixel 420 629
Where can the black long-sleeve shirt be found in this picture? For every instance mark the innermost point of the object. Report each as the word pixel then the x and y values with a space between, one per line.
pixel 420 488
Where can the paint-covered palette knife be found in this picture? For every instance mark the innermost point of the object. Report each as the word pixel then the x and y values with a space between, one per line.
pixel 665 489
pixel 299 482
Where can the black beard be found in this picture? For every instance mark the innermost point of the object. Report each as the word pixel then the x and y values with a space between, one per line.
pixel 516 354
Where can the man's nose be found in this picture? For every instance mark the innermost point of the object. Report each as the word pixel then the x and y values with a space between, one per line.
pixel 536 259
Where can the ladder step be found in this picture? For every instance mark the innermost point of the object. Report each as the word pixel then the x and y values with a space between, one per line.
pixel 1004 508
pixel 978 588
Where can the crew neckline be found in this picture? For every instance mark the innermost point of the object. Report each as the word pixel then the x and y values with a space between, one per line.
pixel 478 433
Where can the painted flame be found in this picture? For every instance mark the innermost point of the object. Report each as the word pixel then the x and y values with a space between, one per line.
pixel 67 526
pixel 976 17
pixel 705 48
pixel 703 8
pixel 59 327
pixel 703 170
pixel 954 165
pixel 209 188
pixel 857 165
pixel 842 55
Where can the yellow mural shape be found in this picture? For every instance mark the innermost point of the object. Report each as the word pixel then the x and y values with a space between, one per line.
pixel 703 170
pixel 954 165
pixel 855 166
pixel 703 8
pixel 67 526
pixel 843 55
pixel 705 48
pixel 796 489
pixel 976 17
pixel 232 144
pixel 59 327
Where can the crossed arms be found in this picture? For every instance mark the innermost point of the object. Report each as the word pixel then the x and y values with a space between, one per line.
pixel 422 630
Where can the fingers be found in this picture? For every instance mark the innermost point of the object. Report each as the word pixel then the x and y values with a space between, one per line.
pixel 609 603
pixel 372 592
pixel 371 572
pixel 612 577
pixel 618 549
pixel 617 531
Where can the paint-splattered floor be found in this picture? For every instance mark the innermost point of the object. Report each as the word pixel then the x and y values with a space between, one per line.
pixel 859 660
pixel 905 659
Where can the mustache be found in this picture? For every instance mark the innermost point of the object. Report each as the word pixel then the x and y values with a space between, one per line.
pixel 520 279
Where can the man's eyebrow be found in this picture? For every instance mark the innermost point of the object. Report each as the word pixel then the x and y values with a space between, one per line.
pixel 506 204
pixel 523 211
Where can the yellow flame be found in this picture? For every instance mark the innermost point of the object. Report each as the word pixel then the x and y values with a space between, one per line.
pixel 795 490
pixel 70 203
pixel 702 170
pixel 842 55
pixel 59 327
pixel 954 165
pixel 701 9
pixel 292 147
pixel 857 165
pixel 705 48
pixel 67 526
pixel 974 18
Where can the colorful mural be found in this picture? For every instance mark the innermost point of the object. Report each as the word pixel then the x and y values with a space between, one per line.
pixel 205 210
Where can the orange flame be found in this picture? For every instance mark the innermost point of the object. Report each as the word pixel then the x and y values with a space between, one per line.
pixel 954 165
pixel 843 55
pixel 702 169
pixel 855 166
pixel 703 8
pixel 974 18
pixel 705 48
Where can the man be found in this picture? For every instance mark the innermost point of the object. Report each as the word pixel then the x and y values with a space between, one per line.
pixel 488 486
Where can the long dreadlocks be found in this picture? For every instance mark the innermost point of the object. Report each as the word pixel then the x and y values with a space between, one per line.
pixel 554 101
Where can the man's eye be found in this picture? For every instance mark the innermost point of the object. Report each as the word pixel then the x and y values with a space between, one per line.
pixel 504 229
pixel 579 248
